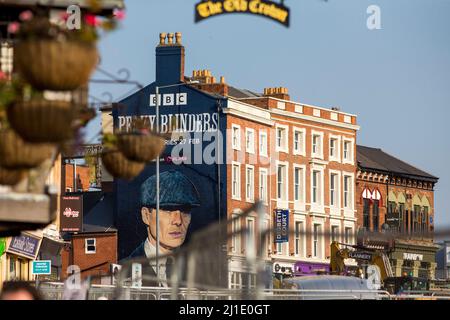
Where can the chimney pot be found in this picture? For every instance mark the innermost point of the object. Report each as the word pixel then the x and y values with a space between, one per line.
pixel 170 37
pixel 178 38
pixel 162 38
pixel 222 79
pixel 213 80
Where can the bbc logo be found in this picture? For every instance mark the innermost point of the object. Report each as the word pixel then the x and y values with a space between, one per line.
pixel 170 99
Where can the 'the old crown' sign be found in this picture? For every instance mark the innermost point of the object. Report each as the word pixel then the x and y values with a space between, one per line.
pixel 265 8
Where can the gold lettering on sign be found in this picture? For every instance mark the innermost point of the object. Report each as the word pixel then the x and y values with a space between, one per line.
pixel 258 7
pixel 209 8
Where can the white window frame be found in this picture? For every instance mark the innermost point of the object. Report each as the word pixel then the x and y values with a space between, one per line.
pixel 301 150
pixel 266 241
pixel 282 148
pixel 302 238
pixel 337 156
pixel 237 195
pixel 299 204
pixel 86 246
pixel 349 225
pixel 263 186
pixel 351 142
pixel 249 183
pixel 351 192
pixel 253 240
pixel 282 248
pixel 238 138
pixel 338 226
pixel 236 239
pixel 317 206
pixel 250 144
pixel 283 201
pixel 321 241
pixel 318 154
pixel 263 147
pixel 336 208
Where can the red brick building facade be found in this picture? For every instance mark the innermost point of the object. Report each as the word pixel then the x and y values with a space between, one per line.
pixel 92 251
pixel 394 196
pixel 292 156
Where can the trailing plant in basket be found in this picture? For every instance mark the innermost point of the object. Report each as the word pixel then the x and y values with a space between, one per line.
pixel 63 59
pixel 140 144
pixel 116 162
pixel 16 153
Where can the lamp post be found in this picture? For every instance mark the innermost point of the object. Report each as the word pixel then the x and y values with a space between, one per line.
pixel 157 166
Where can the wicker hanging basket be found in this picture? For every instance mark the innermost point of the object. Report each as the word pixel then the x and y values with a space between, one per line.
pixel 144 148
pixel 55 65
pixel 11 177
pixel 15 153
pixel 121 167
pixel 40 120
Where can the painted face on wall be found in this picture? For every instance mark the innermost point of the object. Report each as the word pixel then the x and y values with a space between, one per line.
pixel 173 226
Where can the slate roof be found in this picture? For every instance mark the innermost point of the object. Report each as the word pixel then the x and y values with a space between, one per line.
pixel 242 93
pixel 377 160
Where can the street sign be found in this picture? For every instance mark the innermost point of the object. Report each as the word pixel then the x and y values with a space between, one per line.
pixel 281 226
pixel 392 219
pixel 136 275
pixel 360 255
pixel 41 267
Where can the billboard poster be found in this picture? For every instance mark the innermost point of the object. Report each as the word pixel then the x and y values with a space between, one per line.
pixel 189 173
pixel 71 213
pixel 281 225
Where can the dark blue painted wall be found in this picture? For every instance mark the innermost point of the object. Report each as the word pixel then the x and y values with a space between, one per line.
pixel 131 229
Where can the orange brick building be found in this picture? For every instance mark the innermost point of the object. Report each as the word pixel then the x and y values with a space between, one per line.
pixel 292 156
pixel 82 176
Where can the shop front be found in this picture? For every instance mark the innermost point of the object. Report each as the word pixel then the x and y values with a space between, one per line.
pixel 303 268
pixel 19 252
pixel 416 260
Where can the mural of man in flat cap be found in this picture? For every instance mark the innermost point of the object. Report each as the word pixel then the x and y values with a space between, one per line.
pixel 178 196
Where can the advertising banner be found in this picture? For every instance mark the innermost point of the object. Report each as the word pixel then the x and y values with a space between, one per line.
pixel 189 174
pixel 71 213
pixel 281 226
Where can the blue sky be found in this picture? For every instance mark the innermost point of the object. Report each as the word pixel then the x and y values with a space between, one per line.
pixel 397 79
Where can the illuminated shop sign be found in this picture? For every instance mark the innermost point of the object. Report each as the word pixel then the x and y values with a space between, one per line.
pixel 268 9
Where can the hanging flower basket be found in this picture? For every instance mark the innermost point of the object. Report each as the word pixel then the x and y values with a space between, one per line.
pixel 49 64
pixel 140 147
pixel 11 177
pixel 40 120
pixel 15 153
pixel 119 166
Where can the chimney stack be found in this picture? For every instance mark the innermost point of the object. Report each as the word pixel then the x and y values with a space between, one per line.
pixel 208 83
pixel 279 93
pixel 170 59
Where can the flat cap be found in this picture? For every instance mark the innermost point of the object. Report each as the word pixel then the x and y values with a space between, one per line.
pixel 175 190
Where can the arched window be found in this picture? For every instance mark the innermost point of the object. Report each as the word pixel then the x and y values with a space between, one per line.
pixel 416 212
pixel 403 220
